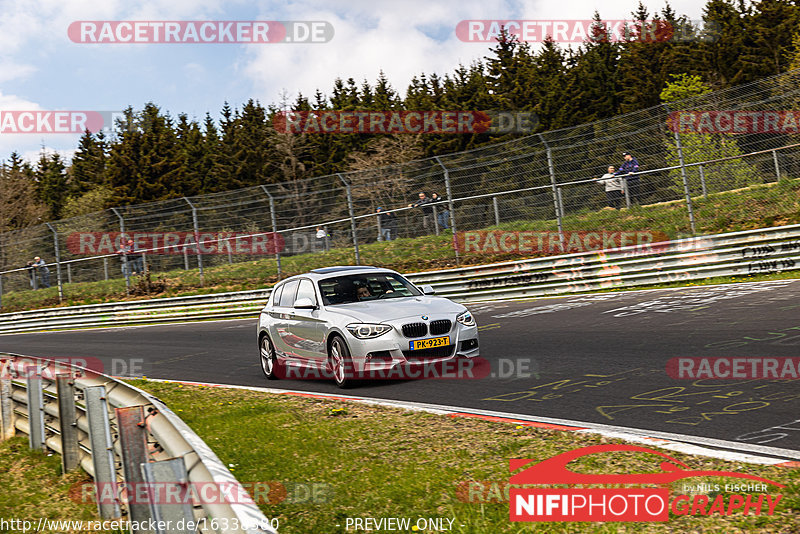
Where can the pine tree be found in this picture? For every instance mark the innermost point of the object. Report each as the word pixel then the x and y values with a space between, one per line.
pixel 51 182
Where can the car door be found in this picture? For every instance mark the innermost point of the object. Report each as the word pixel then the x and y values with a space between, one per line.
pixel 307 328
pixel 282 315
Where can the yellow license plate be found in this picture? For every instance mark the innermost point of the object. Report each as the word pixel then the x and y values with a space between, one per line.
pixel 429 343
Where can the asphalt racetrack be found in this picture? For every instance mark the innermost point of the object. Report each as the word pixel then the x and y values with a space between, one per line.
pixel 598 358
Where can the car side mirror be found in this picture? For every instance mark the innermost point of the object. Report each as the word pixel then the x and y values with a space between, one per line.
pixel 428 290
pixel 304 303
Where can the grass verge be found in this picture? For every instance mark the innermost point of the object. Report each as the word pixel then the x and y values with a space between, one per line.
pixel 33 488
pixel 755 207
pixel 367 461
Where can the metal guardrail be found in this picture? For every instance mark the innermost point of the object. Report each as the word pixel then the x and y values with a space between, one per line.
pixel 127 440
pixel 731 254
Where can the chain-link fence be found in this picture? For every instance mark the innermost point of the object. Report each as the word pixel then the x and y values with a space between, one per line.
pixel 742 137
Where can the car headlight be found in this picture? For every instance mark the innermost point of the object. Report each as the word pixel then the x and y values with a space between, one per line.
pixel 466 319
pixel 368 331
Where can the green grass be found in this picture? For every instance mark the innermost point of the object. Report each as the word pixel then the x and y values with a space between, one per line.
pixel 33 488
pixel 756 207
pixel 368 461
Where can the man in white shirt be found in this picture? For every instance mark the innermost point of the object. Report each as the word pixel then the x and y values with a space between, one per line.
pixel 613 185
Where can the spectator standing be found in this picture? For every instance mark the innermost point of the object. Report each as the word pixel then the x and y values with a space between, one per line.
pixel 443 217
pixel 388 222
pixel 613 186
pixel 628 169
pixel 427 210
pixel 322 237
pixel 131 260
pixel 44 272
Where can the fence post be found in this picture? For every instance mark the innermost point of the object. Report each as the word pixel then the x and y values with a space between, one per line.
pixel 560 202
pixel 172 476
pixel 124 256
pixel 69 273
pixel 105 475
pixel 435 220
pixel 552 170
pixel 777 167
pixel 133 443
pixel 196 240
pixel 274 228
pixel 1 290
pixel 352 216
pixel 6 409
pixel 450 206
pixel 686 191
pixel 496 211
pixel 627 192
pixel 35 409
pixel 703 182
pixel 185 258
pixel 68 423
pixel 58 262
pixel 105 268
pixel 380 233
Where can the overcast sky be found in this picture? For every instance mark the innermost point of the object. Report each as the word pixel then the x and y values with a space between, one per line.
pixel 42 68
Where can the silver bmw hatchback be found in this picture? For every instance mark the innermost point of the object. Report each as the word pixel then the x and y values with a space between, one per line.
pixel 347 323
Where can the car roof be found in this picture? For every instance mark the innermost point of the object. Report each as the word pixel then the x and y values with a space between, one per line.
pixel 325 272
pixel 339 268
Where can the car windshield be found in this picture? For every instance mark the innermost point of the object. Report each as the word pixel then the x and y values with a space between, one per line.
pixel 365 287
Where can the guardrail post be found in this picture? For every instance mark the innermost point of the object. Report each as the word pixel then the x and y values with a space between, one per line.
pixel 275 229
pixel 102 452
pixel 33 385
pixel 6 407
pixel 686 191
pixel 166 475
pixel 552 170
pixel 58 262
pixel 196 240
pixel 133 442
pixel 352 216
pixel 68 423
pixel 703 181
pixel 449 192
pixel 124 256
pixel 777 167
pixel 496 211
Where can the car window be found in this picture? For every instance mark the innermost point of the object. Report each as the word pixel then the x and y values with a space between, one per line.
pixel 287 297
pixel 365 287
pixel 306 290
pixel 276 295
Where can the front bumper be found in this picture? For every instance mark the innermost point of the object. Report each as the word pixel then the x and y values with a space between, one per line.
pixel 392 349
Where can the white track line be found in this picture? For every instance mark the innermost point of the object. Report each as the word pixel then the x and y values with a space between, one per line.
pixel 695 445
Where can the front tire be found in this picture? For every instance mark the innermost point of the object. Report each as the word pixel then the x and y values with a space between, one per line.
pixel 340 363
pixel 269 361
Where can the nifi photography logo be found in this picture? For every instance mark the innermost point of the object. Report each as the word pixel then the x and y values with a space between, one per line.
pixel 627 504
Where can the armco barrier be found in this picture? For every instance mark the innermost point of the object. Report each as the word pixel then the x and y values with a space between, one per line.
pixel 737 253
pixel 123 437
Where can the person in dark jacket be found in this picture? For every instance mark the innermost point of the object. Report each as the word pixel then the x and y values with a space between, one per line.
pixel 443 215
pixel 424 203
pixel 628 170
pixel 44 272
pixel 388 225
